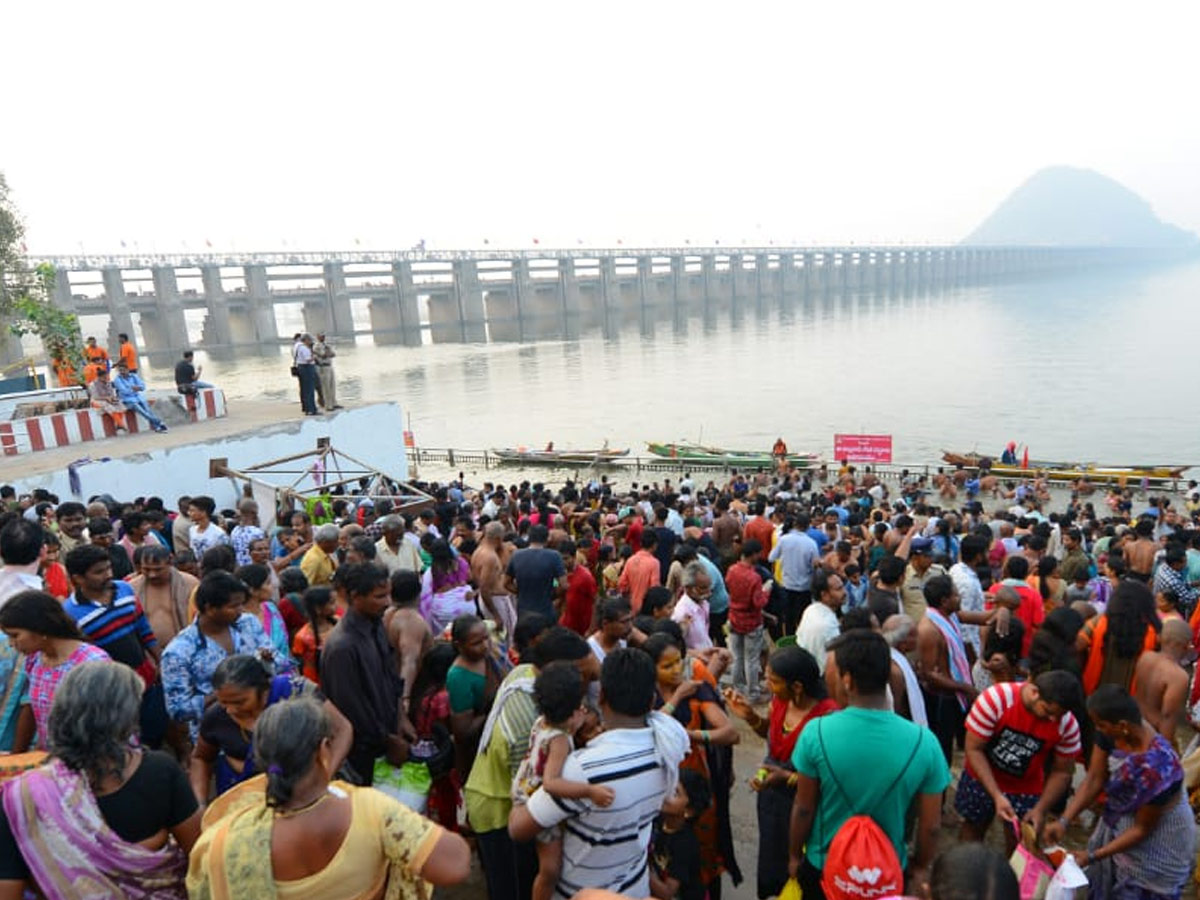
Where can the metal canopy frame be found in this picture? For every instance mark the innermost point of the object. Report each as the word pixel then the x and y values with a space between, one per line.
pixel 325 468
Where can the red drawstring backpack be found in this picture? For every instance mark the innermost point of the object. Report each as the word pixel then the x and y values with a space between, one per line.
pixel 862 863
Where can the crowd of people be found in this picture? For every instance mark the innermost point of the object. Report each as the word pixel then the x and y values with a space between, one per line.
pixel 353 698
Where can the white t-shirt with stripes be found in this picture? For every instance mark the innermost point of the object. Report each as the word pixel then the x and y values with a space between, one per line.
pixel 606 848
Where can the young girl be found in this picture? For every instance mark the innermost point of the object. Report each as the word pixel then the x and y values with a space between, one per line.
pixel 320 607
pixel 54 573
pixel 37 625
pixel 430 712
pixel 558 693
pixel 674 848
pixel 258 604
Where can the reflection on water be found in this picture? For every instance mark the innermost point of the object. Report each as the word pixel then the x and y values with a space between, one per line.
pixel 1094 367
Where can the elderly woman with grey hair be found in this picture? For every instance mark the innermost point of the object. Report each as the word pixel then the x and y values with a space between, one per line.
pixel 292 832
pixel 103 818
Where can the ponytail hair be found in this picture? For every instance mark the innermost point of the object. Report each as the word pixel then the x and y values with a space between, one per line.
pixel 286 739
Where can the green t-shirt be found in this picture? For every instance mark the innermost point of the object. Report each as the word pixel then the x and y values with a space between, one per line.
pixel 868 748
pixel 466 689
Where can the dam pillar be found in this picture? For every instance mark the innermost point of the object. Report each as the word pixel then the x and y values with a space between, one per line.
pixel 470 300
pixel 645 286
pixel 218 330
pixel 165 329
pixel 569 288
pixel 339 318
pixel 405 294
pixel 120 317
pixel 709 275
pixel 261 305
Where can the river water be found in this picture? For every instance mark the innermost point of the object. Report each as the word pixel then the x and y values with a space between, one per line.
pixel 1095 367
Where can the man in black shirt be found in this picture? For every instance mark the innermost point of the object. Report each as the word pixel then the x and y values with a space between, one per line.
pixel 187 375
pixel 531 574
pixel 359 673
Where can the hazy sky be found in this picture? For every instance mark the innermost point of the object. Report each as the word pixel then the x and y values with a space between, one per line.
pixel 252 124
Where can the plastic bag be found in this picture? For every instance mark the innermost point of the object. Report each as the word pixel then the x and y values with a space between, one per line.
pixel 1033 874
pixel 791 890
pixel 408 783
pixel 1068 877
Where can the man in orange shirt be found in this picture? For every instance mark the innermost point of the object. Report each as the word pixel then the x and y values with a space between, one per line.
pixel 640 573
pixel 760 529
pixel 128 353
pixel 94 353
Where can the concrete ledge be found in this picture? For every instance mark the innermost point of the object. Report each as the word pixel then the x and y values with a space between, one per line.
pixel 36 434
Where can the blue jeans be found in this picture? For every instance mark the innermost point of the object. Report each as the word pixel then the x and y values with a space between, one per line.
pixel 138 402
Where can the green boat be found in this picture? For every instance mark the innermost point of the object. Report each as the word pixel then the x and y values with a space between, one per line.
pixel 697 453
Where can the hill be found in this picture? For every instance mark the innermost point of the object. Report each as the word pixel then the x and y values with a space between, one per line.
pixel 1066 207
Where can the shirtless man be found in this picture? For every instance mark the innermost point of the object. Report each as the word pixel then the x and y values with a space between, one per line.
pixel 946 676
pixel 163 591
pixel 840 556
pixel 406 630
pixel 488 564
pixel 1162 681
pixel 1139 555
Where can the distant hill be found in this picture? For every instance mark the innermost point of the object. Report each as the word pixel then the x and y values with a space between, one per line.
pixel 1066 207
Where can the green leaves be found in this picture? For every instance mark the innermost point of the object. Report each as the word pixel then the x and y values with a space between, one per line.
pixel 25 293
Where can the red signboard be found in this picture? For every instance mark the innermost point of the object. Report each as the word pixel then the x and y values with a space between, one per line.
pixel 876 448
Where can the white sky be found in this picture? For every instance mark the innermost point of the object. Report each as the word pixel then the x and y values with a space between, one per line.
pixel 253 124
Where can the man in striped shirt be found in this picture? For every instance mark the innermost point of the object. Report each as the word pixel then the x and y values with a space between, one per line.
pixel 638 756
pixel 1012 729
pixel 110 616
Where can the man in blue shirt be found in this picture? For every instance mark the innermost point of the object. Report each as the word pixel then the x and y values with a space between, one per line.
pixel 130 387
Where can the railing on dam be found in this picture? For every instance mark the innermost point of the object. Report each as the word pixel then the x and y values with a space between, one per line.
pixel 490 294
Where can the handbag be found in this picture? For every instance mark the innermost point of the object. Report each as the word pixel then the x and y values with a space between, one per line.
pixel 295 371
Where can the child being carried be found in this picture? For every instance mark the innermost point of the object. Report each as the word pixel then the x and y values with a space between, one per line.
pixel 558 693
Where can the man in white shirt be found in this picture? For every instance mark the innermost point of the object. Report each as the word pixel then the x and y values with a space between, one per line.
pixel 973 550
pixel 637 756
pixel 819 624
pixel 306 370
pixel 393 551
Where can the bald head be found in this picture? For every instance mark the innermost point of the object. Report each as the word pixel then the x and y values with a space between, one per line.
pixel 1176 632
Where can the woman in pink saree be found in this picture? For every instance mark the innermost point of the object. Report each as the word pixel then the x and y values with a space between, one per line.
pixel 446 591
pixel 103 818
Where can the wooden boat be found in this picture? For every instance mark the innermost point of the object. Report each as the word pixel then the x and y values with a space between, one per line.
pixel 557 457
pixel 688 452
pixel 1066 471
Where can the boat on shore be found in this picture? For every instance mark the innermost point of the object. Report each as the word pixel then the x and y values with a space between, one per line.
pixel 688 452
pixel 1066 471
pixel 557 457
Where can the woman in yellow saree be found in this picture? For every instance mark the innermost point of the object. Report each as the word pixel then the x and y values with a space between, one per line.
pixel 291 833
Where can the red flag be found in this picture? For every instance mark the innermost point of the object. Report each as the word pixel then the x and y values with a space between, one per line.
pixel 1025 459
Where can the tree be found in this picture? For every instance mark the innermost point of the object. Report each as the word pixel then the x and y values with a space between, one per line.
pixel 25 292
